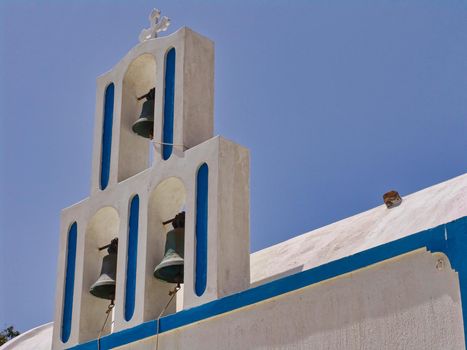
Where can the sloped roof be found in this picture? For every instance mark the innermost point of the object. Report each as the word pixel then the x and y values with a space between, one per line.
pixel 39 338
pixel 419 211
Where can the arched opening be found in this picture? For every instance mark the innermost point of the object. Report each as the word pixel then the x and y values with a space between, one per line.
pixel 134 150
pixel 166 200
pixel 101 229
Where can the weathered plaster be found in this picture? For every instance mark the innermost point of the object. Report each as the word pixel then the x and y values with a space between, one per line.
pixel 402 303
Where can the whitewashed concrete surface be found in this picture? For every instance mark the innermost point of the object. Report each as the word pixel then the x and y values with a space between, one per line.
pixel 39 338
pixel 404 303
pixel 419 211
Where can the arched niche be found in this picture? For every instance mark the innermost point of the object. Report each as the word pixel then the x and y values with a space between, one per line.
pixel 166 200
pixel 139 78
pixel 100 230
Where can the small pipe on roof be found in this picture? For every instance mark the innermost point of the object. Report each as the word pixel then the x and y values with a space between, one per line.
pixel 392 199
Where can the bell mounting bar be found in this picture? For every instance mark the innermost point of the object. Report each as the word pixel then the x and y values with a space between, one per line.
pixel 168 221
pixel 113 243
pixel 150 95
pixel 174 218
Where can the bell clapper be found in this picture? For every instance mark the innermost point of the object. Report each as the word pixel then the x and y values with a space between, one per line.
pixel 176 289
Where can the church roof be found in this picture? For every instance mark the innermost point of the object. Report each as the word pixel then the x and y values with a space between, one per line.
pixel 39 338
pixel 418 211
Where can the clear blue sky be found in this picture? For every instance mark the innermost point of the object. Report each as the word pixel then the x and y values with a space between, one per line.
pixel 338 101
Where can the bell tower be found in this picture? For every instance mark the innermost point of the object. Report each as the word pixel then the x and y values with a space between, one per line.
pixel 169 201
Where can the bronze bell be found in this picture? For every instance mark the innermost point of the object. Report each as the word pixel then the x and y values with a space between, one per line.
pixel 170 268
pixel 104 287
pixel 144 126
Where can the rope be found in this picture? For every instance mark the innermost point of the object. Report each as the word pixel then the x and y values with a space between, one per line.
pixel 109 309
pixel 172 293
pixel 166 144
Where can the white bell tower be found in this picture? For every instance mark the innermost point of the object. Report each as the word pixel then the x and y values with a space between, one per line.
pixel 132 195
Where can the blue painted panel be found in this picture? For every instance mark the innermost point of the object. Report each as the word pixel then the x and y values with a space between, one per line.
pixel 201 229
pixel 107 135
pixel 168 129
pixel 69 282
pixel 131 258
pixel 450 239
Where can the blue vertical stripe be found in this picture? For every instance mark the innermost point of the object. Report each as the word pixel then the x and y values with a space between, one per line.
pixel 131 258
pixel 69 282
pixel 107 135
pixel 168 129
pixel 201 229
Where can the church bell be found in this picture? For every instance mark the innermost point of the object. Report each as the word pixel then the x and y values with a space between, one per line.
pixel 144 126
pixel 170 268
pixel 104 287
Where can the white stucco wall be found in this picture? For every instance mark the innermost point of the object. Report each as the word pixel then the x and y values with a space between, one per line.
pixel 402 303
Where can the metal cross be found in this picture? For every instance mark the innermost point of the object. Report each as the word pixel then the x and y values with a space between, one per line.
pixel 158 24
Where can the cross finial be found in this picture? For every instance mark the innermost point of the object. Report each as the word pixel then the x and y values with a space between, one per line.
pixel 158 24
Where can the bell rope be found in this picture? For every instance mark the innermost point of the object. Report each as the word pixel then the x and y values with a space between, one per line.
pixel 108 311
pixel 172 294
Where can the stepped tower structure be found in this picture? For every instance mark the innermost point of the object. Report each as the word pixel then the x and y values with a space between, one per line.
pixel 139 183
